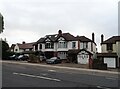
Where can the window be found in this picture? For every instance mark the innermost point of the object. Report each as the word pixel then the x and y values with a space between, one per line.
pixel 40 47
pixel 73 44
pixel 36 47
pixel 16 49
pixel 109 47
pixel 62 45
pixel 85 45
pixel 49 45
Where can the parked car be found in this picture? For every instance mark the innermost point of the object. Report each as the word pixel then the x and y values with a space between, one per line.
pixel 13 57
pixel 53 60
pixel 22 57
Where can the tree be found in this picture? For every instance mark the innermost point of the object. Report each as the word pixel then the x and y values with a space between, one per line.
pixel 5 48
pixel 1 23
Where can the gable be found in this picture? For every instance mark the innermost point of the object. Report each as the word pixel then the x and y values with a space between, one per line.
pixel 61 39
pixel 47 40
pixel 83 52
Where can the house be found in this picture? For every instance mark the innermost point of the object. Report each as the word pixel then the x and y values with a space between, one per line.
pixel 110 51
pixel 85 51
pixel 60 44
pixel 20 48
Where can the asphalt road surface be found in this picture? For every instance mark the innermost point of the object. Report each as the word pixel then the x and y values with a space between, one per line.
pixel 18 75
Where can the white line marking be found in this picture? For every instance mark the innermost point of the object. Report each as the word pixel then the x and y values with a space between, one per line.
pixel 99 87
pixel 52 70
pixel 15 73
pixel 111 78
pixel 34 76
pixel 44 74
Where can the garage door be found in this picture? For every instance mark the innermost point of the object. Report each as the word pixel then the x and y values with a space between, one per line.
pixel 83 59
pixel 111 62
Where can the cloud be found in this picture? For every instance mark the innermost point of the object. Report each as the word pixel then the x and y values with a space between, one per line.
pixel 37 18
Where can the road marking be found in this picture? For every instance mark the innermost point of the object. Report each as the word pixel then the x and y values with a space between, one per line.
pixel 43 74
pixel 52 70
pixel 102 87
pixel 111 78
pixel 99 87
pixel 34 76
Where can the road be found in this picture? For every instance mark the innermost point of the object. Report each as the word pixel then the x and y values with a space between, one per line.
pixel 18 75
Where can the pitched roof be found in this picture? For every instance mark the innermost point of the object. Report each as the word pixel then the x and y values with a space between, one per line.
pixel 76 51
pixel 84 39
pixel 67 36
pixel 54 37
pixel 111 40
pixel 26 45
pixel 12 46
pixel 106 54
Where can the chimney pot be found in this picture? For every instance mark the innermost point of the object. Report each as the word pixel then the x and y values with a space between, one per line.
pixel 60 32
pixel 102 38
pixel 23 42
pixel 93 38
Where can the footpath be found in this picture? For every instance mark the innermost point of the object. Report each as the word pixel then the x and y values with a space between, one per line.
pixel 68 66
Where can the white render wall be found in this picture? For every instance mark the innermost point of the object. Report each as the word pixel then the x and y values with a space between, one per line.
pixel 69 46
pixel 104 48
pixel 89 47
pixel 94 48
pixel 118 48
pixel 16 47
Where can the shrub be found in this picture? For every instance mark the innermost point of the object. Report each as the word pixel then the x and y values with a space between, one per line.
pixel 33 58
pixel 5 55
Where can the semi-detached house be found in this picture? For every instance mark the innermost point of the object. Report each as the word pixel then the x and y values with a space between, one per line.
pixel 21 48
pixel 60 44
pixel 110 51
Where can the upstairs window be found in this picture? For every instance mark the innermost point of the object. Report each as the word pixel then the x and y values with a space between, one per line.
pixel 49 45
pixel 73 44
pixel 109 47
pixel 62 44
pixel 85 45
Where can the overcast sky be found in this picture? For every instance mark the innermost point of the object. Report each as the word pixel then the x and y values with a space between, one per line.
pixel 28 20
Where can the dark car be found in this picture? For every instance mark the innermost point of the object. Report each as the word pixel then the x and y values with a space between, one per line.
pixel 53 60
pixel 22 57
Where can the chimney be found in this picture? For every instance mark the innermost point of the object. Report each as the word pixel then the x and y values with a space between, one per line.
pixel 93 38
pixel 23 42
pixel 102 38
pixel 60 32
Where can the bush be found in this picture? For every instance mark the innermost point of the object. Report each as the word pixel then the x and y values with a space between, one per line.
pixel 5 55
pixel 33 59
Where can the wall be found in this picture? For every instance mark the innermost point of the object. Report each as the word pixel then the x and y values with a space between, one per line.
pixel 89 47
pixel 16 47
pixel 104 48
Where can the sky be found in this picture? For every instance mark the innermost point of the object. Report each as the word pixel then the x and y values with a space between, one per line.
pixel 29 20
